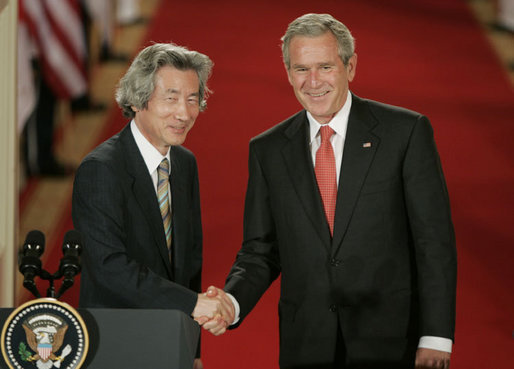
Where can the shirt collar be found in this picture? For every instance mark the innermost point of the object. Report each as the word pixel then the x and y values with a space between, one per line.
pixel 151 155
pixel 339 122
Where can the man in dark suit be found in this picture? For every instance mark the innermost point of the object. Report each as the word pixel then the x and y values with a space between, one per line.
pixel 346 200
pixel 136 197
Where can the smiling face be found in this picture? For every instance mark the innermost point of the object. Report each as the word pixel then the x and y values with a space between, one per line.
pixel 319 78
pixel 172 108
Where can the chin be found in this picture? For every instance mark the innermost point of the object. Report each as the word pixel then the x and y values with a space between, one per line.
pixel 177 140
pixel 320 113
pixel 318 109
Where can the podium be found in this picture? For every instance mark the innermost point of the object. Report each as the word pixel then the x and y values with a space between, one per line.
pixel 135 338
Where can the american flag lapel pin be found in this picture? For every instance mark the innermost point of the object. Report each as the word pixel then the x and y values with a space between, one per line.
pixel 366 144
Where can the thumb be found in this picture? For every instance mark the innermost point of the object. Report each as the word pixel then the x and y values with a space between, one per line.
pixel 212 291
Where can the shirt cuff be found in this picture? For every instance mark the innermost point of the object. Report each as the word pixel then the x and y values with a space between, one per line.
pixel 435 343
pixel 236 308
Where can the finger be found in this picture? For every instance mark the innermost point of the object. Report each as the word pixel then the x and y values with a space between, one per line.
pixel 215 323
pixel 220 304
pixel 227 311
pixel 211 324
pixel 219 328
pixel 224 309
pixel 219 331
pixel 202 320
pixel 446 364
pixel 228 306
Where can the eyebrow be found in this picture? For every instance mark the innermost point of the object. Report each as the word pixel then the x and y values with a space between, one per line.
pixel 317 65
pixel 175 91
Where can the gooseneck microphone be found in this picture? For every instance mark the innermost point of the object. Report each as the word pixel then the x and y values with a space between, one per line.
pixel 29 262
pixel 69 266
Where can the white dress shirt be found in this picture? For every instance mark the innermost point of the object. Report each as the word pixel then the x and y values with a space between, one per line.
pixel 151 155
pixel 339 124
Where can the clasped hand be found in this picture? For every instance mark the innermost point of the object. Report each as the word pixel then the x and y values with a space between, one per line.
pixel 214 310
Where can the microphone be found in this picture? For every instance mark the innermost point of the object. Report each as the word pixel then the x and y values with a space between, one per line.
pixel 71 249
pixel 70 263
pixel 29 262
pixel 30 265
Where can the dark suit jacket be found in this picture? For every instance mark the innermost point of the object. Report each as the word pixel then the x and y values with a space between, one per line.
pixel 125 258
pixel 387 277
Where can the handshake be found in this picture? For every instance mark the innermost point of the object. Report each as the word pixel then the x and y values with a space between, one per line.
pixel 214 311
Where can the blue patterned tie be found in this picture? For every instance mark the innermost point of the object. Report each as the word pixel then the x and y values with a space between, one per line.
pixel 163 195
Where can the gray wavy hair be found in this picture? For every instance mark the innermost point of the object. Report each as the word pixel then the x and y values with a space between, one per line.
pixel 137 85
pixel 313 25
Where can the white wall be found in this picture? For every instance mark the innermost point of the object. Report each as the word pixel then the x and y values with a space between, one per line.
pixel 8 151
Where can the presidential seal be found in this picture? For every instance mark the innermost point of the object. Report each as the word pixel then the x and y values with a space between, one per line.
pixel 44 333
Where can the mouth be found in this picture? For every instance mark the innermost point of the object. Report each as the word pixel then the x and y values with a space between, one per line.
pixel 320 94
pixel 178 129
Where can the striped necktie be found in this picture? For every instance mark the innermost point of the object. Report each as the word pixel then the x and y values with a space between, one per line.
pixel 163 195
pixel 325 170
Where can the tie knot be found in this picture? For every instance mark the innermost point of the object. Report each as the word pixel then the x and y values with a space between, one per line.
pixel 165 165
pixel 326 133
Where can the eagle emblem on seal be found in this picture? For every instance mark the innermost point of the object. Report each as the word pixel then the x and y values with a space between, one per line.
pixel 45 335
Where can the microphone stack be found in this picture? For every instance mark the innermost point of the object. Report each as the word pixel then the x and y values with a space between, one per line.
pixel 30 263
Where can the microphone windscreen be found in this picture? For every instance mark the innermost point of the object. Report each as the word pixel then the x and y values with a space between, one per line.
pixel 72 237
pixel 35 237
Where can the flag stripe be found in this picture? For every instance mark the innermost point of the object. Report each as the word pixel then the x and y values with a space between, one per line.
pixel 64 72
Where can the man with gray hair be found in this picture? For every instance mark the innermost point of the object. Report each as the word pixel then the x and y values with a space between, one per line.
pixel 346 200
pixel 136 198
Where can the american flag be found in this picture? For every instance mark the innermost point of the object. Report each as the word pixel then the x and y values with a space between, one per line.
pixel 57 31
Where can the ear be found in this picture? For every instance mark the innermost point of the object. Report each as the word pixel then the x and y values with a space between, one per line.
pixel 134 109
pixel 288 71
pixel 352 67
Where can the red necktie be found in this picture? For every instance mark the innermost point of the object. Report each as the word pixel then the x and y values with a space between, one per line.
pixel 325 169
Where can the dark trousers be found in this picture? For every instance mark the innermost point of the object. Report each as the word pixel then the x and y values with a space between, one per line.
pixel 340 355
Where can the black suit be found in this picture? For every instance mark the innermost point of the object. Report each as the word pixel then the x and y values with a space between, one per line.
pixel 388 275
pixel 125 258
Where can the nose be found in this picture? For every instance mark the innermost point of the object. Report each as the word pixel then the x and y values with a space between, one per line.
pixel 313 79
pixel 182 111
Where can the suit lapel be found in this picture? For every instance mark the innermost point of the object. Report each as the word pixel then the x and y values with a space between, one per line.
pixel 144 193
pixel 301 170
pixel 179 220
pixel 359 150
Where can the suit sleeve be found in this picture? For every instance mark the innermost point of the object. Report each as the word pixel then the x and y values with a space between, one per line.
pixel 429 215
pixel 99 212
pixel 257 264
